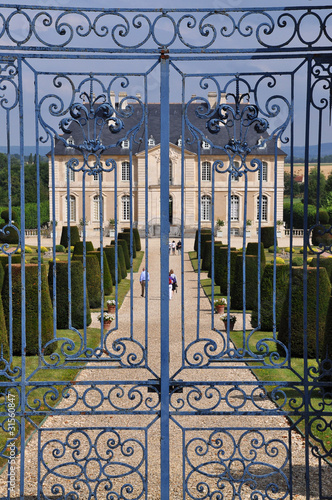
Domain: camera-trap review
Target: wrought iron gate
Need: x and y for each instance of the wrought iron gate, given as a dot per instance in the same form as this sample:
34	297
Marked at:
168	401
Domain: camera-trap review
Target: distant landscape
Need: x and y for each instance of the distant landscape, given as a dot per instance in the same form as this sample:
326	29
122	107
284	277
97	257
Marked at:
298	151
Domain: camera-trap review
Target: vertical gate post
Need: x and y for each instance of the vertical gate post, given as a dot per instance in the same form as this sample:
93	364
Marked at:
164	268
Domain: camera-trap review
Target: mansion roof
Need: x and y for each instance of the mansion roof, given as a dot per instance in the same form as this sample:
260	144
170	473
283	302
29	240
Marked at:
217	132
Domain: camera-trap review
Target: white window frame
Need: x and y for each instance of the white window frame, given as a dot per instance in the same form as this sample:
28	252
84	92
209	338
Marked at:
71	175
72	208
125	207
206	205
264	171
151	141
96	207
206	171
264	208
125	144
125	171
205	145
235	208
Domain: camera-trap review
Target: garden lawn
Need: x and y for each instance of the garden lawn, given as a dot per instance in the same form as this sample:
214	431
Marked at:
293	375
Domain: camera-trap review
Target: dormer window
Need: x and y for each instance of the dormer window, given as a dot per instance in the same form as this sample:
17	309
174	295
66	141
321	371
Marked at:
151	141
125	144
180	141
70	142
205	145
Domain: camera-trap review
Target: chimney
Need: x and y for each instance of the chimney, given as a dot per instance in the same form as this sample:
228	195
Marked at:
212	98
112	96
223	98
122	95
138	95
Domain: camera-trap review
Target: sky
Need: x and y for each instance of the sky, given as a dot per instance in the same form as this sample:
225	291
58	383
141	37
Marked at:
215	4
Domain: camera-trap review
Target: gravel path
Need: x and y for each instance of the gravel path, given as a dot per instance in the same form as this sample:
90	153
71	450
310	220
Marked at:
254	450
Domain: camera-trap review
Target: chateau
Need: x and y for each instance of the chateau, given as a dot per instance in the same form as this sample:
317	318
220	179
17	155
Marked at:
137	166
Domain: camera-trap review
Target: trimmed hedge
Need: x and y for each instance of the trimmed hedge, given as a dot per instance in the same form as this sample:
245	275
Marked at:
125	249
267	236
203	231
93	279
122	262
109	252
74	236
108	287
2	276
136	237
3	341
78	248
16	259
297	312
10	235
282	283
220	276
60	248
217	245
251	280
77	304
126	236
32	308
323	262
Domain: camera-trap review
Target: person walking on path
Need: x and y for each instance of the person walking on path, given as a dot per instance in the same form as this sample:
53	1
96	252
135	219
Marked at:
178	247
143	278
174	281
173	247
170	286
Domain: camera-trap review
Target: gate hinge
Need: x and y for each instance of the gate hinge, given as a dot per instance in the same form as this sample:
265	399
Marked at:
164	54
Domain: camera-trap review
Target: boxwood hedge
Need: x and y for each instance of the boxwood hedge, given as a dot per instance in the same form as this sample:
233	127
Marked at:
126	236
93	279
203	231
74	236
3	341
267	236
323	262
136	237
220	277
62	298
296	334
78	247
251	281
106	272
32	307
109	252
124	245
267	299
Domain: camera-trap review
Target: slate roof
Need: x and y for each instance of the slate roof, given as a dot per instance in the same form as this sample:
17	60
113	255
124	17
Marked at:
114	140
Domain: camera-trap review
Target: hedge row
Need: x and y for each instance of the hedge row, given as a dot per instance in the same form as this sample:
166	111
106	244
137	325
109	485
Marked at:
62	295
125	249
32	307
136	237
74	236
107	278
252	267
126	236
93	278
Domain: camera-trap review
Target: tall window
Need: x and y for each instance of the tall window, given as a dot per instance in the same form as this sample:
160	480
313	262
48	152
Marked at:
96	207
125	171
264	171
125	201
235	178
206	171
71	175
72	208
264	208
170	172
235	208
205	208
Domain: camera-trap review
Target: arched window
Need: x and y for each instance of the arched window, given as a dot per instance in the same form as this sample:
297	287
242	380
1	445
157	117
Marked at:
206	171
205	208
170	172
264	171
96	207
125	171
264	208
235	202
72	208
125	202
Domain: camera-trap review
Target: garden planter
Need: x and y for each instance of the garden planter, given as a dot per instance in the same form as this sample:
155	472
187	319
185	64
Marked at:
111	309
231	325
220	309
107	325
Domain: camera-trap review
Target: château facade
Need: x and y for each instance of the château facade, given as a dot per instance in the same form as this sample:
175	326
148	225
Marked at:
136	176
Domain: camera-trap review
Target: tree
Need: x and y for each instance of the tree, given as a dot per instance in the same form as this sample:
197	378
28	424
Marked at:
312	188
288	184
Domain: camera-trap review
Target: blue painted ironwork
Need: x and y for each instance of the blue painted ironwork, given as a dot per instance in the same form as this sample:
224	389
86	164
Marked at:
209	407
